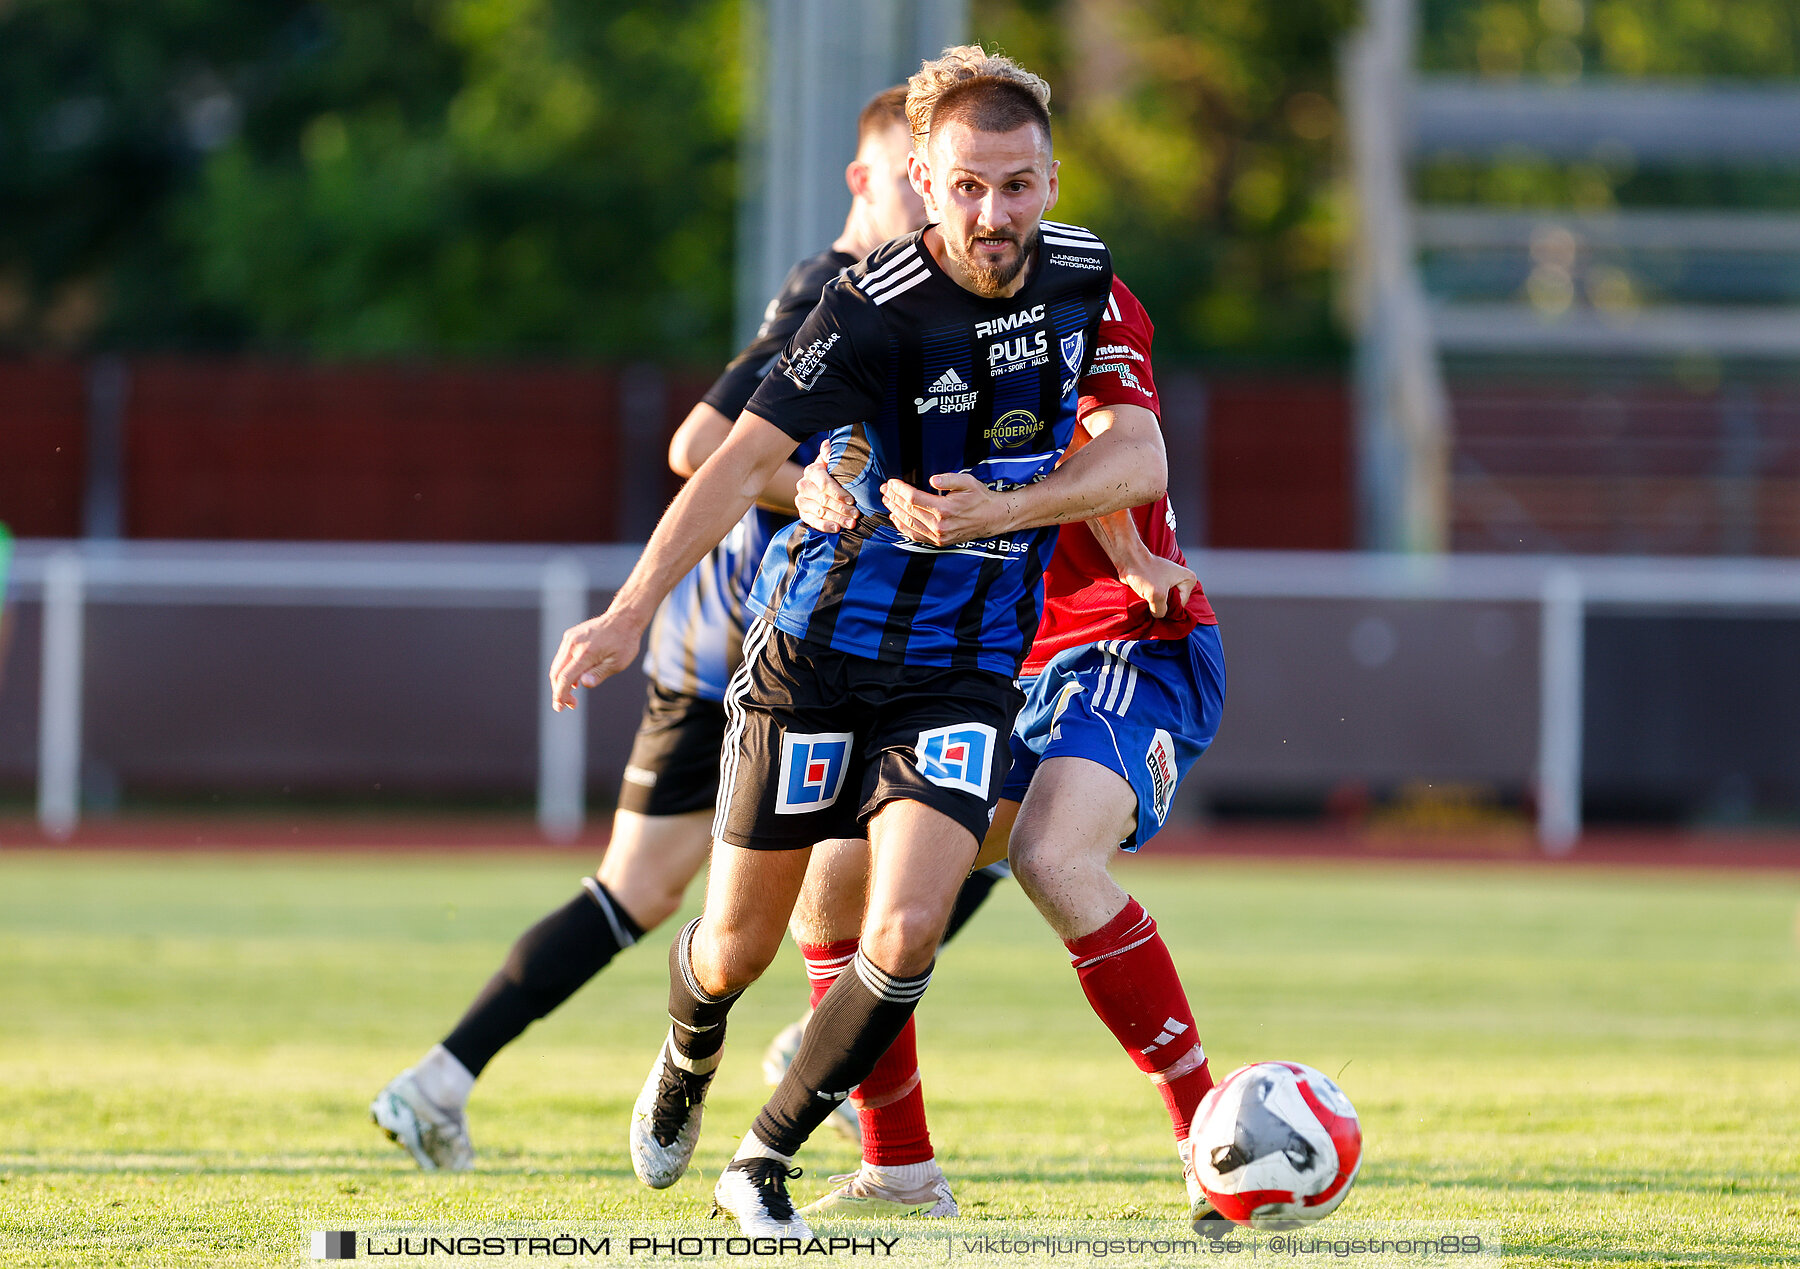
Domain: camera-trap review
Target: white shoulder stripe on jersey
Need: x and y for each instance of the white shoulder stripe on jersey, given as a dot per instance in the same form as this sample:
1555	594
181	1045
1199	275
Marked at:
1073	231
907	257
915	268
921	276
1112	309
1074	244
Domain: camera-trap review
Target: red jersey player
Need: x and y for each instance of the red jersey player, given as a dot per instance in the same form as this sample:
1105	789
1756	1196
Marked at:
1125	685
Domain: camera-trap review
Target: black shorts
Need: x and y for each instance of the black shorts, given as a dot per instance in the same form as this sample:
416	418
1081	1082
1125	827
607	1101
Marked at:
818	741
674	763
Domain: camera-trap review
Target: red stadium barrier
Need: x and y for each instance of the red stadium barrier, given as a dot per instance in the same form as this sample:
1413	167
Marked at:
259	450
394	453
43	448
1278	464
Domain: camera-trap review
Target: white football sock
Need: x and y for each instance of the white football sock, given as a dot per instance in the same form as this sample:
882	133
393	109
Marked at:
904	1176
442	1078
752	1148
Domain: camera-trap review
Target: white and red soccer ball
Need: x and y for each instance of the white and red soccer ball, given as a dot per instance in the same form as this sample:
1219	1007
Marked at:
1276	1145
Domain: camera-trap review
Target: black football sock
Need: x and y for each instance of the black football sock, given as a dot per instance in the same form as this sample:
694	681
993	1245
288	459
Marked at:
699	1019
973	894
546	966
850	1029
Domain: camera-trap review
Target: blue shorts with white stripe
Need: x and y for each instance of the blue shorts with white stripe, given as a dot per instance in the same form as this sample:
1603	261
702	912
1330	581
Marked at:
1145	708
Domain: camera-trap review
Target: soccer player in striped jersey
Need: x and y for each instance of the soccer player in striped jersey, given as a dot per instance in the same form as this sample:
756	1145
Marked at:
877	683
1125	685
660	831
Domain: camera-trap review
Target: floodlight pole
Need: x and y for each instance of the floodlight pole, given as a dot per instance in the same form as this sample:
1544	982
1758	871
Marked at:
562	736
1561	654
1402	409
811	64
59	695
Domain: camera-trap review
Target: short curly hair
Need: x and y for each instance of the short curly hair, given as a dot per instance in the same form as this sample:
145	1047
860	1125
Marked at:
985	90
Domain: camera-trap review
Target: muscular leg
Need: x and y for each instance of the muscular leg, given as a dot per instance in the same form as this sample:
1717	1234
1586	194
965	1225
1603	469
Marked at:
1067	831
651	859
887	1109
749	894
1069	827
831	902
919	857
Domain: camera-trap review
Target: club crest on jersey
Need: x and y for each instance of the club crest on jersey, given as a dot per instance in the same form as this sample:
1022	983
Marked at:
812	771
1071	351
1012	429
959	757
1161	762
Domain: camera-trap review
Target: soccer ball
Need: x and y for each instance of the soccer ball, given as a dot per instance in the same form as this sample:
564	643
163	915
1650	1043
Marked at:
1276	1145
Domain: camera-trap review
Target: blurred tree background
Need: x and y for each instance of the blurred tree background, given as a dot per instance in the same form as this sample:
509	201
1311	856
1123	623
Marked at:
545	178
1203	143
369	177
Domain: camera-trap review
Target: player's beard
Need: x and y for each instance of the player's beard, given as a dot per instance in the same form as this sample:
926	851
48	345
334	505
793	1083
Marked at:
989	277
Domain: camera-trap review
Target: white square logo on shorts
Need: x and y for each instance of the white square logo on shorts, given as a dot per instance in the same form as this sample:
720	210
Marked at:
812	771
959	757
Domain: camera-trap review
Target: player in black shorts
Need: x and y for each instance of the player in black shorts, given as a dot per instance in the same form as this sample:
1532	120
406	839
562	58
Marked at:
660	832
877	682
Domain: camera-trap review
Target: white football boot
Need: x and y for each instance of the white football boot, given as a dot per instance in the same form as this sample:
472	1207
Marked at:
914	1189
780	1055
753	1192
1206	1218
436	1136
665	1122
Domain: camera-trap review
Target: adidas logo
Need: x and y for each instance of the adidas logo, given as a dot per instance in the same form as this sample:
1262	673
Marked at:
1170	1029
951	393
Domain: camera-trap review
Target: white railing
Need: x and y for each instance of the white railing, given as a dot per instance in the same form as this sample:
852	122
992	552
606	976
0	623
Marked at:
69	576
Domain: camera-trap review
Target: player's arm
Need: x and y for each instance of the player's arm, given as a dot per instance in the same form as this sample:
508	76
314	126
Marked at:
1147	573
702	432
709	422
822	378
1121	374
1123	466
703	513
824	504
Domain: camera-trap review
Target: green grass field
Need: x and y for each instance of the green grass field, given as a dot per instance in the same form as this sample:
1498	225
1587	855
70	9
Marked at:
1606	1064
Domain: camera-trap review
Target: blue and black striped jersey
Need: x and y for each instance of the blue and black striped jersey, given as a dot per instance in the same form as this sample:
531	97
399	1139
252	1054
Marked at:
912	376
696	639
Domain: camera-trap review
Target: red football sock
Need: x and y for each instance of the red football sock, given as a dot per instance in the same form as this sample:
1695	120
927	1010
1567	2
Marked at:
891	1106
890	1103
824	962
1130	980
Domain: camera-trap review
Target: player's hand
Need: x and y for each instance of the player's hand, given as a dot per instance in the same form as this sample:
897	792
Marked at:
1156	580
962	510
823	504
590	654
